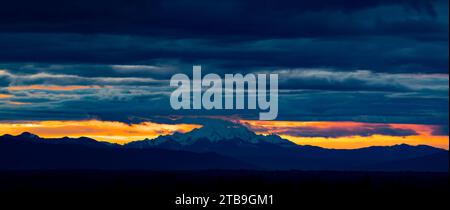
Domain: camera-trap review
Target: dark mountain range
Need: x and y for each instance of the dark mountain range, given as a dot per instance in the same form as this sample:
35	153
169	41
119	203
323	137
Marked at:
85	141
217	145
273	152
20	152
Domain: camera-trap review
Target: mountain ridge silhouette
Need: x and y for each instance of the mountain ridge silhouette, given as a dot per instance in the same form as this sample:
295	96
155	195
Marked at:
242	147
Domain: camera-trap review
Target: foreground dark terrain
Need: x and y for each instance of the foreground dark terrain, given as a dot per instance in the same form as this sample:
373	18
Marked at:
295	189
218	159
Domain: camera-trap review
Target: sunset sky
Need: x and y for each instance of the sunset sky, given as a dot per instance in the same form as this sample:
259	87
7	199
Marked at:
336	135
352	135
351	74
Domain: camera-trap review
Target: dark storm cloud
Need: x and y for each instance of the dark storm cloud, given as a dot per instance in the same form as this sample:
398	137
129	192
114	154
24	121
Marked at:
361	80
388	54
370	61
364	107
4	80
291	80
377	35
12	78
335	132
441	130
247	18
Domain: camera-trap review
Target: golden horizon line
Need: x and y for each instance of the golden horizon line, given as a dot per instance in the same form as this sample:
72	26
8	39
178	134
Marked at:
3	96
171	134
121	133
77	137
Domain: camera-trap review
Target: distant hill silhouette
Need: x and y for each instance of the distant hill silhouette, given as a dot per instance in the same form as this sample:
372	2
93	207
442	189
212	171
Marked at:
36	153
85	141
218	145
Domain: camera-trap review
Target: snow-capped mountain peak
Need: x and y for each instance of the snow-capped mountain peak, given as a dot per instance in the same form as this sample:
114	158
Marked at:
215	132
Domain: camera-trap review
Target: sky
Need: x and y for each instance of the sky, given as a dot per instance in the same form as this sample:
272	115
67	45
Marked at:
374	71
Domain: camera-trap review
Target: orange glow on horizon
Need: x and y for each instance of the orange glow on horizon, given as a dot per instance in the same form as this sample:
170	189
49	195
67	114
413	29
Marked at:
424	134
18	103
53	87
5	95
114	132
118	132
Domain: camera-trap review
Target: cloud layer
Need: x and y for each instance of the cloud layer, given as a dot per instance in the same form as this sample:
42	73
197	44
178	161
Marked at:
368	61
